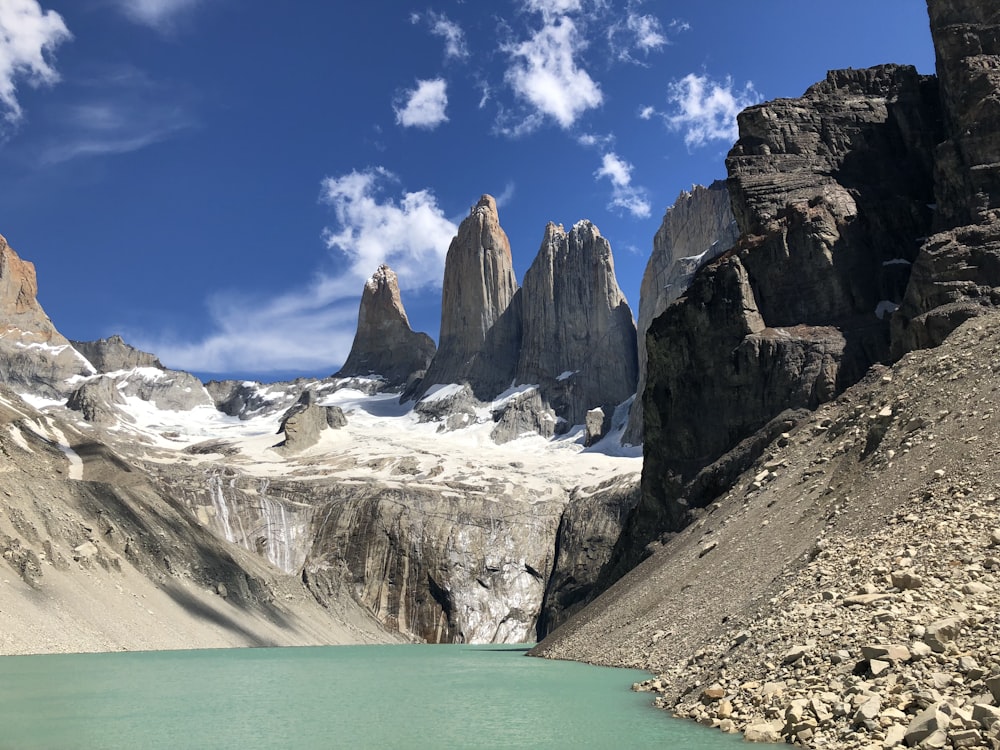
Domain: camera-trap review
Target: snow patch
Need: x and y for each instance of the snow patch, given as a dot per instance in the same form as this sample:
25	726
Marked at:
440	392
567	375
15	433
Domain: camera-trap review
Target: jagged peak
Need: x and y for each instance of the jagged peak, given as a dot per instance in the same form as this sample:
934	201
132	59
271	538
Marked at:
487	204
383	277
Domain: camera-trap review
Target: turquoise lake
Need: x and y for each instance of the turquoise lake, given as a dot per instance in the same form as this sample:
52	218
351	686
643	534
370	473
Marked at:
334	697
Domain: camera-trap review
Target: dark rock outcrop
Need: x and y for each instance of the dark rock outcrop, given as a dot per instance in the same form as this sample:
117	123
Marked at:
113	354
477	343
695	230
96	400
384	344
578	339
831	194
957	273
524	413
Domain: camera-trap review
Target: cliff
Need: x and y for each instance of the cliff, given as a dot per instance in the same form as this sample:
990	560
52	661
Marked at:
384	344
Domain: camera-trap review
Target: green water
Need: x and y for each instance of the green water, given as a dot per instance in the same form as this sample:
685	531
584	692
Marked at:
338	697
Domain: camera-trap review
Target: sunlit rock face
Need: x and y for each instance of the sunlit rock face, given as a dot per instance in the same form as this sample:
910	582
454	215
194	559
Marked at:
478	339
578	337
384	345
34	356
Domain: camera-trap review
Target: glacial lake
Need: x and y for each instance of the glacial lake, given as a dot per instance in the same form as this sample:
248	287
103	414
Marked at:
334	697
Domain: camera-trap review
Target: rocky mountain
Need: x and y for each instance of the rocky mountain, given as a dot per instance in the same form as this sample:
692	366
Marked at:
578	338
113	354
819	520
384	344
33	354
831	194
697	229
476	328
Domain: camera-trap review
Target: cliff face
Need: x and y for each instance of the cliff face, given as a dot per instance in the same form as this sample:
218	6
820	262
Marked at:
578	341
698	228
384	343
33	354
479	284
956	275
831	194
113	354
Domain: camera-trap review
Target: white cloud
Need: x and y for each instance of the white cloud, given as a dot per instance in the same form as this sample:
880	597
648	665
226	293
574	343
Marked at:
647	32
411	235
545	74
454	38
28	36
706	110
157	14
311	328
624	194
506	196
551	8
114	113
646	113
424	106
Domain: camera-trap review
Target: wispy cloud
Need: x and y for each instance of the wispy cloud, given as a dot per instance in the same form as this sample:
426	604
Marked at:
455	46
551	8
544	72
705	110
506	196
157	14
424	106
311	327
624	194
28	38
117	112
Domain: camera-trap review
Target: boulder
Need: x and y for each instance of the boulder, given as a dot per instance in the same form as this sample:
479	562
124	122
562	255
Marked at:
96	400
302	423
524	413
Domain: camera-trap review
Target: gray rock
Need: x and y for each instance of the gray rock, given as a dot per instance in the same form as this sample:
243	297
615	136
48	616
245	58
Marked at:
96	400
479	286
521	414
926	723
113	354
697	229
942	632
384	344
578	339
302	423
596	426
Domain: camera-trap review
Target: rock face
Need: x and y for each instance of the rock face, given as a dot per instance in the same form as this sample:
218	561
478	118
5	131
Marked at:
578	339
477	343
957	273
831	194
384	344
113	354
697	229
33	354
302	424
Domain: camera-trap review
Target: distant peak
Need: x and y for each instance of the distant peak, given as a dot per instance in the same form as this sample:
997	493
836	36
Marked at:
487	202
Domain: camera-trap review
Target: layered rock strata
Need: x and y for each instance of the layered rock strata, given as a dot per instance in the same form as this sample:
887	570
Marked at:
831	193
384	344
697	229
957	273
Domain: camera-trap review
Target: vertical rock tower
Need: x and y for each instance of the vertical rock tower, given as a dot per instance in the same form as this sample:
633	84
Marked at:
476	316
384	343
578	339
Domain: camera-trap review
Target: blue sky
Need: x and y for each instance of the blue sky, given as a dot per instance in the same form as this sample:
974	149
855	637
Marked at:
215	179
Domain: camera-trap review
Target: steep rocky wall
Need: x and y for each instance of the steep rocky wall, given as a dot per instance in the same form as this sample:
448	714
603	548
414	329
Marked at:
479	284
578	339
384	344
831	193
697	229
460	566
957	273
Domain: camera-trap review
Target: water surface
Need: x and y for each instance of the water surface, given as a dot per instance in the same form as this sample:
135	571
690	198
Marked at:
336	697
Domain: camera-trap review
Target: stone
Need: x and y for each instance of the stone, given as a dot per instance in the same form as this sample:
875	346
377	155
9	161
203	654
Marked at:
523	414
384	344
893	653
993	685
942	632
975	588
763	732
84	551
924	724
479	333
868	711
906	580
695	230
594	426
578	338
302	423
113	354
985	715
894	736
